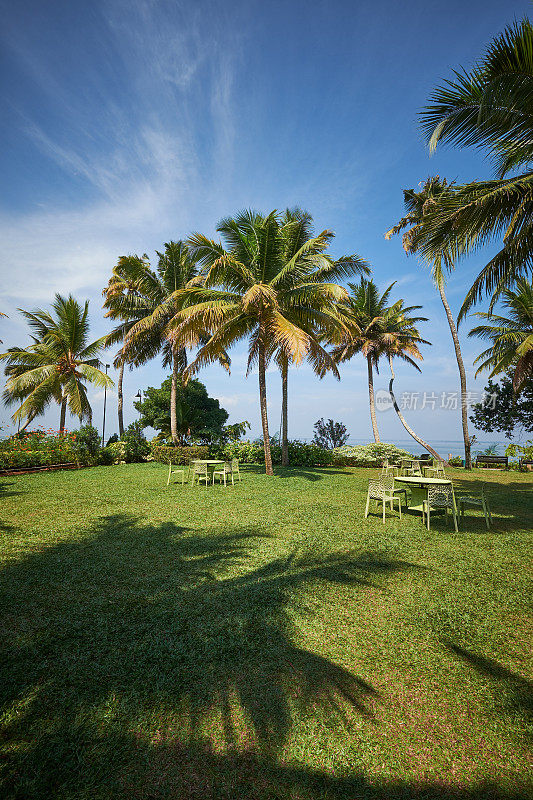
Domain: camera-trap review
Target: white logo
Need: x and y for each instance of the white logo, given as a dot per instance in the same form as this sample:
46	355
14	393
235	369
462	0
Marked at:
383	400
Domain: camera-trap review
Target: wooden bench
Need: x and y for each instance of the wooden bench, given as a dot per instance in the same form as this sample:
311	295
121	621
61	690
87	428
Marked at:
493	461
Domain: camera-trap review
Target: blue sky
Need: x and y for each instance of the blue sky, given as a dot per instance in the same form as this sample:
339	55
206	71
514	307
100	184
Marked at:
127	124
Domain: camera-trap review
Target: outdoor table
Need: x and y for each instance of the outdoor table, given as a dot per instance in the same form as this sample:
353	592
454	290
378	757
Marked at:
212	464
418	488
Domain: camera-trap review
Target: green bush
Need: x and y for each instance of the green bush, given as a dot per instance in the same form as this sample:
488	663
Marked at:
41	449
455	461
368	454
118	452
301	454
165	453
135	443
106	455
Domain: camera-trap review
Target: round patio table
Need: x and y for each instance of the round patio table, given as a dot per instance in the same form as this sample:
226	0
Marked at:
418	488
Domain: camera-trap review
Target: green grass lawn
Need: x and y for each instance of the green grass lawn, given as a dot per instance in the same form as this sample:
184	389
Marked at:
260	641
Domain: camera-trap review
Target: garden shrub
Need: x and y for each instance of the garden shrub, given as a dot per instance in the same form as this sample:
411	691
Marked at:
118	452
165	453
301	454
368	455
41	449
455	461
87	443
135	443
106	455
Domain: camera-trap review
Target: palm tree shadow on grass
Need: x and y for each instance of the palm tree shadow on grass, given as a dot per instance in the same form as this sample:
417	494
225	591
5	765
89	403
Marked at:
515	693
156	662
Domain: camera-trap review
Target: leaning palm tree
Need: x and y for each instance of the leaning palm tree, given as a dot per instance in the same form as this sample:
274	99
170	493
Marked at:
56	366
124	301
252	291
420	204
489	107
401	339
296	230
511	336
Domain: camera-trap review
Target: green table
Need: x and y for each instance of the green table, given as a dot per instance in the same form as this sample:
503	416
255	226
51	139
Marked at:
212	464
418	488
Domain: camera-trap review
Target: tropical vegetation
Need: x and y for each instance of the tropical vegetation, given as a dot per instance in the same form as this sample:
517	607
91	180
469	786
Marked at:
252	290
418	205
198	416
57	366
488	107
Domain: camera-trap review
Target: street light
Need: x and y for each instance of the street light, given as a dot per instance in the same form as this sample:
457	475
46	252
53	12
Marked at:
139	396
105	400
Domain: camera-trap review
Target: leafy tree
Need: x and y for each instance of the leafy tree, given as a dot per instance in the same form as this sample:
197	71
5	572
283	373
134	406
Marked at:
503	411
88	440
251	291
112	439
511	336
419	205
330	434
197	415
57	365
488	107
135	443
234	432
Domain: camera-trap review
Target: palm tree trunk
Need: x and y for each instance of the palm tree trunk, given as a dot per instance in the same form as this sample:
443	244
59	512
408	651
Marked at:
409	430
173	401
462	375
284	414
371	398
63	414
120	401
263	405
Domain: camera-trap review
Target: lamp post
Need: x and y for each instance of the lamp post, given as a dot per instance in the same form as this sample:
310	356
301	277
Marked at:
105	401
139	397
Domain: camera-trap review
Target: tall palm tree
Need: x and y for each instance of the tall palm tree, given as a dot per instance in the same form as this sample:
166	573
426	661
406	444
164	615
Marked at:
511	336
57	365
401	339
489	107
296	230
363	312
251	291
125	302
420	204
159	295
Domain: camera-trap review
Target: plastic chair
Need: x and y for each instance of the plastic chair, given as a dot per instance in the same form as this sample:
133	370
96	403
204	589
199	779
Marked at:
200	473
440	497
437	471
391	470
226	470
382	490
235	468
479	501
183	471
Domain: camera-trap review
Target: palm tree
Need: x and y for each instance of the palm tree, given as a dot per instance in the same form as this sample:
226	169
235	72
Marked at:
57	365
420	204
296	230
489	107
158	296
511	336
125	302
252	291
401	339
363	312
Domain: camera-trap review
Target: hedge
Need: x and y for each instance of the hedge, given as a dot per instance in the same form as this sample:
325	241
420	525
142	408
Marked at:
178	455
